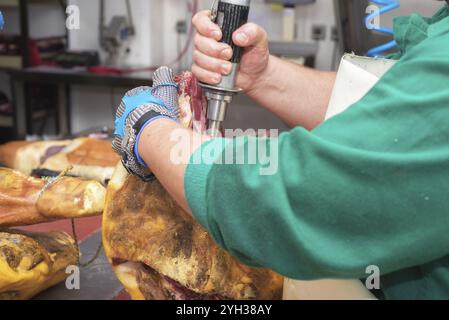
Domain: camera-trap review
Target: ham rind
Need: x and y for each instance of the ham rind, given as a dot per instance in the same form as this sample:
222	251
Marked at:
26	201
158	251
32	262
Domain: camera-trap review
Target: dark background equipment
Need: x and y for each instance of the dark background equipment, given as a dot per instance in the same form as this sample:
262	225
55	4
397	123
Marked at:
353	34
115	35
71	59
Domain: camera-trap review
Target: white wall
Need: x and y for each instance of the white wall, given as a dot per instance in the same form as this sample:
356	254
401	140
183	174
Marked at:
320	13
424	7
92	106
45	19
87	38
155	44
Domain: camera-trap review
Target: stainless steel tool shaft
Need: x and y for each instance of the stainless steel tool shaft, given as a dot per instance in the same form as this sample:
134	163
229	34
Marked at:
229	16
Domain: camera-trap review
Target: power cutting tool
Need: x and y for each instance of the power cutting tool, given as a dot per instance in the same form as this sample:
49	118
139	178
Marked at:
229	15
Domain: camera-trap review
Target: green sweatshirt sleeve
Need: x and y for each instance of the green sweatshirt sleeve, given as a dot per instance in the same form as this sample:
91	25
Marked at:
368	187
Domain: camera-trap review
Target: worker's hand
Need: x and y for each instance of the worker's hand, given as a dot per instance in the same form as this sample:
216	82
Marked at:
138	109
211	57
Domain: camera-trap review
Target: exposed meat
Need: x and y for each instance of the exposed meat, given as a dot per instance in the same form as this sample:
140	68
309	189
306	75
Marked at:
192	103
144	282
182	293
155	286
51	151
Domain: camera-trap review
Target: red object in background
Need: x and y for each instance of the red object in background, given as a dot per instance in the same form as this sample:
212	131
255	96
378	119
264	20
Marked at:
106	70
34	55
43	51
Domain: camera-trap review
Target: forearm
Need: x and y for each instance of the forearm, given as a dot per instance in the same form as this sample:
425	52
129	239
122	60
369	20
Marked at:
167	147
297	95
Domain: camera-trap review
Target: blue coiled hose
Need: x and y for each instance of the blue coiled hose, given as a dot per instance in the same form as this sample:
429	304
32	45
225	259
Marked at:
388	5
2	21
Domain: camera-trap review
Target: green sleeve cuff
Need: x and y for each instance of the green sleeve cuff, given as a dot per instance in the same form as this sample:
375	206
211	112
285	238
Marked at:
195	180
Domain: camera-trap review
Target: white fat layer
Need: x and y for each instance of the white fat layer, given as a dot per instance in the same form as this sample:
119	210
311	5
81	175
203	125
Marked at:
119	177
94	198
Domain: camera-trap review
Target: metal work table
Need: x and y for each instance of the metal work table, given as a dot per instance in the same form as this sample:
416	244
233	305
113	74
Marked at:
63	79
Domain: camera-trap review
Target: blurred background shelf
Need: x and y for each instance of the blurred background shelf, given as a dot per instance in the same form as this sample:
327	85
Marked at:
11	62
34	33
6	121
16	3
9	3
75	98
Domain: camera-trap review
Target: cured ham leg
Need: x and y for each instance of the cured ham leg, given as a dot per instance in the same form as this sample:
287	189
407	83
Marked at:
32	262
89	158
25	200
158	251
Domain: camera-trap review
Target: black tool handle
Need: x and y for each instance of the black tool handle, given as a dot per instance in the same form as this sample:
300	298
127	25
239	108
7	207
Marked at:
231	15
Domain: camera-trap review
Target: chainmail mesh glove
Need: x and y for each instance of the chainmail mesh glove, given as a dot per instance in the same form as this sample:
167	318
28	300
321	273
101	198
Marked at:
139	108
